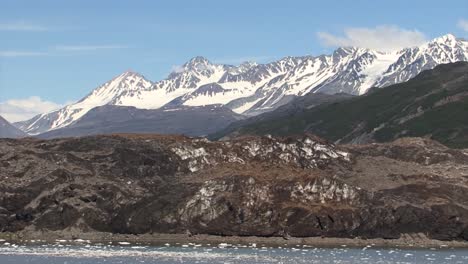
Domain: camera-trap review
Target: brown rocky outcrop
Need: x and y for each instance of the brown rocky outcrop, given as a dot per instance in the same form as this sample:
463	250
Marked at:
260	186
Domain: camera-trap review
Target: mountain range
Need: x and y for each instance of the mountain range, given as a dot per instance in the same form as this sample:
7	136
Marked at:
434	104
251	89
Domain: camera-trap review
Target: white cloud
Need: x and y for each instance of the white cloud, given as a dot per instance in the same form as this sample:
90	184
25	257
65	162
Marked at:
384	38
463	24
15	53
87	47
177	69
21	26
15	110
57	49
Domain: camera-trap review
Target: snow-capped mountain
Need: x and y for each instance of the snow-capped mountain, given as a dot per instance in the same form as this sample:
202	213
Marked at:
252	88
412	61
124	85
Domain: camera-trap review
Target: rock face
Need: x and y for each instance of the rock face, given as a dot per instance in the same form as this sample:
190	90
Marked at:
258	186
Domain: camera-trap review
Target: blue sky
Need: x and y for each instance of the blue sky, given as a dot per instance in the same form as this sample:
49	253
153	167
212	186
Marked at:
58	51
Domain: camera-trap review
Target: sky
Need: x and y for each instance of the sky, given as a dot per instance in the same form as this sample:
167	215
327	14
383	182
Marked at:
54	52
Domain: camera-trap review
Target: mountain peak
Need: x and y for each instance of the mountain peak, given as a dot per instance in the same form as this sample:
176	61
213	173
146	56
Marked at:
197	60
130	73
198	65
445	39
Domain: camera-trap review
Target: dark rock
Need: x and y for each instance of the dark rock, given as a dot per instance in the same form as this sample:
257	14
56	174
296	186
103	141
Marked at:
23	216
260	186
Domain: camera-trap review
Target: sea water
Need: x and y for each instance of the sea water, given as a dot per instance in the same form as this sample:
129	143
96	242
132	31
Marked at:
223	253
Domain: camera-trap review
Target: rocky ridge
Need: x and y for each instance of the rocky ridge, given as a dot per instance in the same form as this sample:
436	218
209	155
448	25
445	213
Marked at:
251	186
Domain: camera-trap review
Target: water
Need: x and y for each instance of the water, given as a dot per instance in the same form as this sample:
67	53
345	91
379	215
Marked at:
191	253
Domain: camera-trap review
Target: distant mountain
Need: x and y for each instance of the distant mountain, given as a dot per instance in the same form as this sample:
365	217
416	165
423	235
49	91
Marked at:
109	119
107	94
7	130
434	104
251	88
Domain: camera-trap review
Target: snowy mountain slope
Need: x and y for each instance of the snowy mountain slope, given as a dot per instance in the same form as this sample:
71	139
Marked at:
445	49
350	70
252	88
125	84
430	105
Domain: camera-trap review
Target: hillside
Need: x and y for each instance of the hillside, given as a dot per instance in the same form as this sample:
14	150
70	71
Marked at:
434	104
295	106
109	119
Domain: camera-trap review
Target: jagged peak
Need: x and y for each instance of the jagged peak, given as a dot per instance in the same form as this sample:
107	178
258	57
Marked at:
197	64
447	39
241	68
197	60
288	60
345	51
128	80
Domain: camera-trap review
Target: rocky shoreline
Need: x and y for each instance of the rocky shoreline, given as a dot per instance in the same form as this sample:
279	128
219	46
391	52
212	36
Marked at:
413	241
247	189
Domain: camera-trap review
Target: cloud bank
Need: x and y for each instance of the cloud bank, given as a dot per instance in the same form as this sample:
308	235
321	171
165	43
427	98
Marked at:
17	53
59	50
383	38
87	47
21	26
15	110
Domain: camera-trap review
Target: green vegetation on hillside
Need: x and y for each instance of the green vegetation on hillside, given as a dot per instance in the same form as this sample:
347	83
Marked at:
433	104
